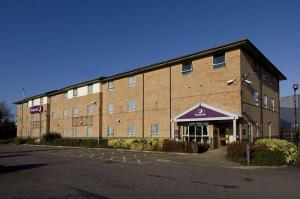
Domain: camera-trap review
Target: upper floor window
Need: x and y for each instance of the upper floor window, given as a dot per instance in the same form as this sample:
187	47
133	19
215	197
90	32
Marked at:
264	76
111	108
131	130
53	115
255	67
53	99
131	105
90	109
75	112
111	85
75	92
65	95
219	61
65	114
187	68
273	104
90	89
131	81
154	130
255	98
110	131
265	100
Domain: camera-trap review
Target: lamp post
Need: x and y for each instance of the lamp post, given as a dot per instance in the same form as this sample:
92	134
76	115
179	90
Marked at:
295	87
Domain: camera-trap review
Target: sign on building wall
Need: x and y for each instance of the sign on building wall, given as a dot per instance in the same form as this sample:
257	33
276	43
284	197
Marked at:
36	109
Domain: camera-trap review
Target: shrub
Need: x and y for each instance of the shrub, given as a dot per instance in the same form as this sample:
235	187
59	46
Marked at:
185	147
276	152
203	147
237	152
49	136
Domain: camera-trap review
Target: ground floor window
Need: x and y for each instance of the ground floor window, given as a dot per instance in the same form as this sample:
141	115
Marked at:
131	130
89	131
74	132
110	131
154	130
65	132
196	131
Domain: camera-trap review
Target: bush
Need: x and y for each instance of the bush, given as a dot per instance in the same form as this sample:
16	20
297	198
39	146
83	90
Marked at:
185	147
49	136
265	152
237	152
274	152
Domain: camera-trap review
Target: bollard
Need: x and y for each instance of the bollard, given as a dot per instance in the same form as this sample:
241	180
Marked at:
248	154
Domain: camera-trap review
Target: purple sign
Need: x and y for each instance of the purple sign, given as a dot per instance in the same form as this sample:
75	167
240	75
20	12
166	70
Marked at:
36	109
202	112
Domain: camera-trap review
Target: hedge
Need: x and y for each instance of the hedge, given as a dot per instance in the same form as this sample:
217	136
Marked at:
264	152
153	144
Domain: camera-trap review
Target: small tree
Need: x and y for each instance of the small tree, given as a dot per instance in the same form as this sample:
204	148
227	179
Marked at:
7	124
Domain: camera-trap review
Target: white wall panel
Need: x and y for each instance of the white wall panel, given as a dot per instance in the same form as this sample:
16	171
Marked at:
82	91
37	102
70	94
45	100
29	104
96	88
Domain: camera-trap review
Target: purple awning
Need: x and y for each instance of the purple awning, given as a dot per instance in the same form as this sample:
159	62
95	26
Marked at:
202	112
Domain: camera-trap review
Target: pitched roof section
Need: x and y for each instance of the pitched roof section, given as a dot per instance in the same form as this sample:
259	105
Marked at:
204	112
243	44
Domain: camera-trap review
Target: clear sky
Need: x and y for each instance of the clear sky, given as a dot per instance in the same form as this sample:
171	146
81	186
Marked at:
49	44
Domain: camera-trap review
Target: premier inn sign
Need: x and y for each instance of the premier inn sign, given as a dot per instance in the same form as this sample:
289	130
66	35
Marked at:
36	109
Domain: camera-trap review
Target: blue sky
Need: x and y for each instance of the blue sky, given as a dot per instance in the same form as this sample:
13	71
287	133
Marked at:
45	45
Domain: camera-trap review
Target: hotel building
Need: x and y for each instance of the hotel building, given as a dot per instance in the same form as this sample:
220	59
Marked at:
218	95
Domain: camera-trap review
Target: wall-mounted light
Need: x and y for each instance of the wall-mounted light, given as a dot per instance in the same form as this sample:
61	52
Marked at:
231	81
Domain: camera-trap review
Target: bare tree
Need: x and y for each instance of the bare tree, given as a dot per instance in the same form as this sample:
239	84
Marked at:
7	125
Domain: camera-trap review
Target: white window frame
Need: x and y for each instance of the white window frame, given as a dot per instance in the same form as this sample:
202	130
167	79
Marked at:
74	132
65	114
90	109
110	108
217	66
131	130
90	134
75	92
90	89
156	127
255	98
65	132
73	112
131	105
65	95
111	85
265	101
110	131
131	81
273	104
53	115
189	71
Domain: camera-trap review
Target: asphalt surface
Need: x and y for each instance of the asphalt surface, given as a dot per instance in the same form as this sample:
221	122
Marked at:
56	172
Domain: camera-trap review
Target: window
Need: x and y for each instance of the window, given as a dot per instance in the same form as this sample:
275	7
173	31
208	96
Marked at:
75	112
255	98
90	109
186	68
255	67
89	131
53	115
131	81
273	104
111	108
131	105
90	89
75	92
74	132
111	85
131	130
265	101
264	76
65	95
65	114
154	130
110	131
65	132
219	61
257	130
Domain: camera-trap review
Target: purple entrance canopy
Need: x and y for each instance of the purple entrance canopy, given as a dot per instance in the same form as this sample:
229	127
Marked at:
204	112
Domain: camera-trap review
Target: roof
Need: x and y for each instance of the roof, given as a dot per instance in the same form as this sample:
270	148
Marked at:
244	44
